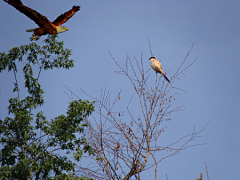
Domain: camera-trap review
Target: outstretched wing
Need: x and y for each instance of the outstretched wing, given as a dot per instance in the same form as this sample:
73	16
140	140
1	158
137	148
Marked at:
39	19
67	15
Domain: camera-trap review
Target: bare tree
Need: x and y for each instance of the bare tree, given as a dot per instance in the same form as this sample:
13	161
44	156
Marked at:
128	144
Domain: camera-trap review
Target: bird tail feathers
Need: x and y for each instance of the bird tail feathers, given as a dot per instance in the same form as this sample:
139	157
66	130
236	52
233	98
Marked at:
30	30
166	77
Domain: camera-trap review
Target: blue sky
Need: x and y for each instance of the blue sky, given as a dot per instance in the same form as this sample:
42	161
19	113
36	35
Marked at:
212	84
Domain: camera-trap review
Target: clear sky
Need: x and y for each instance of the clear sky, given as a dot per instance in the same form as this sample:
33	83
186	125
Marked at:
212	84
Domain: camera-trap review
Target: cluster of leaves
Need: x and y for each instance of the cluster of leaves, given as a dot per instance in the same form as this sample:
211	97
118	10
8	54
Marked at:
30	144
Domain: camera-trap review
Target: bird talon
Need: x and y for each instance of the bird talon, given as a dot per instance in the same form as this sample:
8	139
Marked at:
33	38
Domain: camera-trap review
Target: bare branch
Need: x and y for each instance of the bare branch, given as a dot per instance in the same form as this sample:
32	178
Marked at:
124	141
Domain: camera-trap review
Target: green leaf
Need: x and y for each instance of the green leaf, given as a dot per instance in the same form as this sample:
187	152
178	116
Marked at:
30	144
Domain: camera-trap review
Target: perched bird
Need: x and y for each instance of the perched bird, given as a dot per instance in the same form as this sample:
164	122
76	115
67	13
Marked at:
45	26
156	65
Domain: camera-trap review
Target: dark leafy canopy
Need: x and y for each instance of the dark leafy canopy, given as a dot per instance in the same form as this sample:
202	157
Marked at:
30	145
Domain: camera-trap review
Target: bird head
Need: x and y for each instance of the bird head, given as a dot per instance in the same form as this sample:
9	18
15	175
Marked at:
61	29
153	57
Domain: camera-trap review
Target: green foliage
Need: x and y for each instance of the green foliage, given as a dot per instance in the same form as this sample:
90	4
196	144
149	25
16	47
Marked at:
30	144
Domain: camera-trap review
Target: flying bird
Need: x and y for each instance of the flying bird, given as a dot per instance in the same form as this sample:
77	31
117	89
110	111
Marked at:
45	26
156	65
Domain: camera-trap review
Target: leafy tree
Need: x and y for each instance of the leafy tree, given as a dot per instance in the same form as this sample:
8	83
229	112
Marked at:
30	144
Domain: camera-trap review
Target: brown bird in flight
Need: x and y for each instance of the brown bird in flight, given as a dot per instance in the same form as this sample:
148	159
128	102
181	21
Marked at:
45	26
156	65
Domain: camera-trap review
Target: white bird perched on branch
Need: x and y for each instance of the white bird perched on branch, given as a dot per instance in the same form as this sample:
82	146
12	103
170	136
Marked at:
156	65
